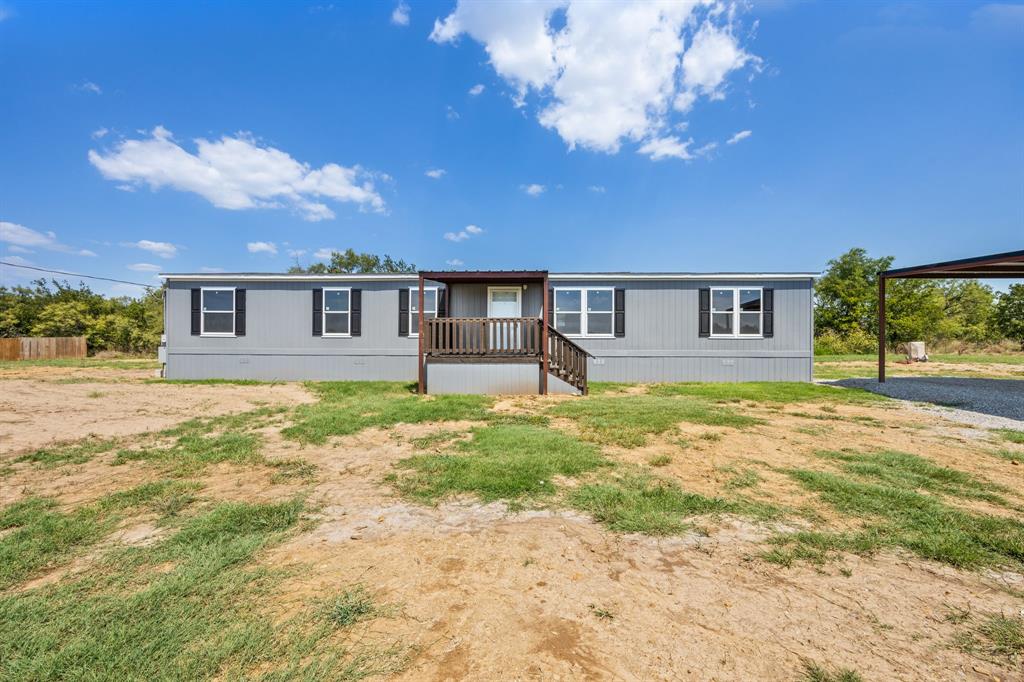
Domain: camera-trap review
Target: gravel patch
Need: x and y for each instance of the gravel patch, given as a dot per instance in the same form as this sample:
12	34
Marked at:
987	403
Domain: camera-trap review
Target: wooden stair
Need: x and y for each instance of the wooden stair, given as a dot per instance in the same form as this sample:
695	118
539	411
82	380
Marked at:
566	360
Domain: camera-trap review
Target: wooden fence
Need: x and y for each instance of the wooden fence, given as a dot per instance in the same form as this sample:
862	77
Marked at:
42	348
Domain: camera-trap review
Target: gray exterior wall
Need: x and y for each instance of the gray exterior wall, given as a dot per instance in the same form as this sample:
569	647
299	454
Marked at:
660	344
487	378
661	341
279	341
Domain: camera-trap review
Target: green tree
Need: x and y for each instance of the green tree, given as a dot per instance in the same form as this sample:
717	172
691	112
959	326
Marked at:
348	261
970	306
62	318
1009	314
915	310
846	296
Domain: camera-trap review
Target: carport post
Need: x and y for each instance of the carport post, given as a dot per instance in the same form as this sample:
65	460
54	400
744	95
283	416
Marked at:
881	328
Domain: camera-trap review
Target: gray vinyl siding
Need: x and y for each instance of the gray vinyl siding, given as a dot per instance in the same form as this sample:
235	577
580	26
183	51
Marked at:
661	341
279	341
660	344
484	378
470	300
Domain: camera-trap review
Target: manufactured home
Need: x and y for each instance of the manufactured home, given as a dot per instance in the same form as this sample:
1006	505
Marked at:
491	331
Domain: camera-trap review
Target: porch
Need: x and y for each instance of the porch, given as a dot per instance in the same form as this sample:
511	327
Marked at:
499	339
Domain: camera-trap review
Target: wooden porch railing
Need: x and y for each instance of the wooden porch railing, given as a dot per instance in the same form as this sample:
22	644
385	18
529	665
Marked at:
566	360
483	336
472	338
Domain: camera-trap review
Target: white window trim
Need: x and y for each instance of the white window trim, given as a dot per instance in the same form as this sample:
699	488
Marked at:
736	314
415	291
324	313
584	333
203	311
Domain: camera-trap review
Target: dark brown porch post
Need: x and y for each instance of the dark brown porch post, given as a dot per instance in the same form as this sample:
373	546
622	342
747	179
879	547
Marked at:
544	340
422	332
881	329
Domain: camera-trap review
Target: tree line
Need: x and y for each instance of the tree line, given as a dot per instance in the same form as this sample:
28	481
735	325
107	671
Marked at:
930	310
846	308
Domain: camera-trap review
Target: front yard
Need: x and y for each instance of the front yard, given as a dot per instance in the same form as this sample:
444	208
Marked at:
346	530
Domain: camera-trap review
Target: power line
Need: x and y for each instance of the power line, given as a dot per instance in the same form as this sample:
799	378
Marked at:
75	274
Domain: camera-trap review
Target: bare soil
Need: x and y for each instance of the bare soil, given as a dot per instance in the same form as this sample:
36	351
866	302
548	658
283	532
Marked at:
484	593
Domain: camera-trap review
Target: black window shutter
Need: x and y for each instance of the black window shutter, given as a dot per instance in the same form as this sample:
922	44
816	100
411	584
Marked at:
239	312
442	302
704	313
551	307
318	312
620	312
356	325
197	311
403	312
768	308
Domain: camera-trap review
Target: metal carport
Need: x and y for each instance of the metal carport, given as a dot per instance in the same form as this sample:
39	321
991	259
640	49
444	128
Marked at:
1008	265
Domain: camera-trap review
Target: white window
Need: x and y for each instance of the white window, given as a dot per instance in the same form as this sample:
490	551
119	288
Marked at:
429	307
218	306
337	312
585	312
736	312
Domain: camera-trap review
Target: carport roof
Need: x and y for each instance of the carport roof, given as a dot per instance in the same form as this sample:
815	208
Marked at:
1008	265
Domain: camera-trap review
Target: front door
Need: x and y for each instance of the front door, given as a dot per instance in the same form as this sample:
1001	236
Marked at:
504	302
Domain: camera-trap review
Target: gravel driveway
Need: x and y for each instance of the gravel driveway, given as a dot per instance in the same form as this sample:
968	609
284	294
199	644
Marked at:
1000	399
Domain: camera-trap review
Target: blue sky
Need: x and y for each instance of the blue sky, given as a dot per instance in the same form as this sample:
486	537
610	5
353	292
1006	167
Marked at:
571	136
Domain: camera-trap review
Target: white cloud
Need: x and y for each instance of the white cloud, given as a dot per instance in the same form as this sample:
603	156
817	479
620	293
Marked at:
477	89
534	190
89	87
98	133
162	249
144	267
238	173
667	148
296	253
451	114
713	55
262	247
999	19
23	238
435	173
17	260
400	15
5	12
324	253
597	189
739	137
14	248
612	72
454	262
463	234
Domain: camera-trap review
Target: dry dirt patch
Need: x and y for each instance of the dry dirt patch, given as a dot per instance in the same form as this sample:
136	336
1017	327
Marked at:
35	413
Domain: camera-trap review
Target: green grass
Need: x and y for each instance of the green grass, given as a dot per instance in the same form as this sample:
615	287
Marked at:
347	407
499	462
748	478
435	440
767	392
813	672
350	607
635	503
77	452
1011	435
213	382
201	442
994	637
1010	455
628	420
206	617
911	472
85	363
895	514
660	460
43	537
602	387
954	358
